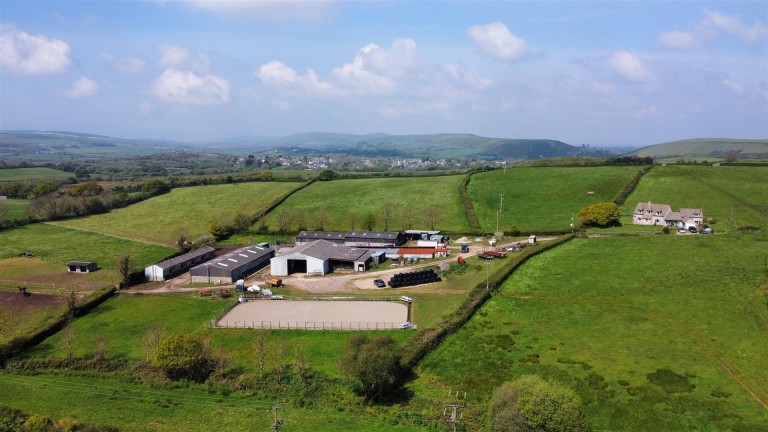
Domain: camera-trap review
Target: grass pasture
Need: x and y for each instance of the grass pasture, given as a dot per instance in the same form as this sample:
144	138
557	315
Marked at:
13	208
125	318
720	191
654	333
543	198
360	197
32	174
192	209
53	246
19	315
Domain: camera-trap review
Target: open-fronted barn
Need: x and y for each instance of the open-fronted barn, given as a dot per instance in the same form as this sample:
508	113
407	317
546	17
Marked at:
232	266
177	265
373	239
81	266
320	257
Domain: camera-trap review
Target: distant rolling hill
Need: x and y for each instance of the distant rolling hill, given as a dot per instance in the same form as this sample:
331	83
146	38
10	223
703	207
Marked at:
712	148
40	146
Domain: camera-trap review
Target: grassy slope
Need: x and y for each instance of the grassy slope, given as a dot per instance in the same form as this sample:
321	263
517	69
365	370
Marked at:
23	174
54	246
543	198
363	196
716	190
193	209
703	147
627	307
14	208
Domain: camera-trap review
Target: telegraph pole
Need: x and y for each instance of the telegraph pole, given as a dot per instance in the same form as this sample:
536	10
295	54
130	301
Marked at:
455	415
501	202
278	422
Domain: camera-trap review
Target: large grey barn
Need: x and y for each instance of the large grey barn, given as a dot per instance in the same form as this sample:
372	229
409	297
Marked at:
232	266
176	265
353	238
320	257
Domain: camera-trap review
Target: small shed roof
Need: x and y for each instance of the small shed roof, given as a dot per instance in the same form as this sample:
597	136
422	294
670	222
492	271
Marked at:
81	263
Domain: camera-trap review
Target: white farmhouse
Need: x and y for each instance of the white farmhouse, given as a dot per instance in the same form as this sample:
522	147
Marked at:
662	214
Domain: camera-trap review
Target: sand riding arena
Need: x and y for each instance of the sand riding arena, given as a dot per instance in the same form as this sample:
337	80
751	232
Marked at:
317	315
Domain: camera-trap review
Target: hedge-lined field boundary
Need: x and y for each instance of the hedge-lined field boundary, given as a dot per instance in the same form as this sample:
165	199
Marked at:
630	187
22	343
421	344
469	208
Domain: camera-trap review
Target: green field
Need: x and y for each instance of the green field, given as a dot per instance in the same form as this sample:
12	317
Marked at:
13	208
603	315
192	209
543	198
361	197
27	174
721	192
53	246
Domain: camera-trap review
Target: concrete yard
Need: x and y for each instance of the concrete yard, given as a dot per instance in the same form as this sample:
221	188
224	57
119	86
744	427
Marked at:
317	315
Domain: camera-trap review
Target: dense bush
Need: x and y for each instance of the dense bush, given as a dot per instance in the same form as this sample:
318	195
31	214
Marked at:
374	364
183	356
600	214
532	404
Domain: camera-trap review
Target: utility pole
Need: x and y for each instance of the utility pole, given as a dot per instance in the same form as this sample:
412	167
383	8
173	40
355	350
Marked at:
455	407
278	422
501	202
571	222
487	266
497	222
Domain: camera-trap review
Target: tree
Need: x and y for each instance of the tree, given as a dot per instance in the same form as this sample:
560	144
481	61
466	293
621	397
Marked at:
155	187
101	347
181	240
532	404
151	339
320	218
183	356
261	349
326	175
374	364
220	231
369	221
125	264
68	339
600	214
241	223
386	213
434	215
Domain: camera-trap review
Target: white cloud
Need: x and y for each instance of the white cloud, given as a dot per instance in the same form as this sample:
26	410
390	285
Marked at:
629	66
125	65
173	56
274	10
374	70
495	40
460	77
24	54
83	88
711	26
187	88
734	26
679	39
734	86
279	75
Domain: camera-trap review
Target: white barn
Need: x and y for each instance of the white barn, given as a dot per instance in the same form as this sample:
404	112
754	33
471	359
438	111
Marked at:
177	265
320	257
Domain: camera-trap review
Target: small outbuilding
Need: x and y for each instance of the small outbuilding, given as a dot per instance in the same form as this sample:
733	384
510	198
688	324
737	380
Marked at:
81	266
532	239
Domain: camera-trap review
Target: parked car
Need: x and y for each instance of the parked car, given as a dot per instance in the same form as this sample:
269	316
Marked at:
693	229
707	231
406	325
379	283
681	230
406	299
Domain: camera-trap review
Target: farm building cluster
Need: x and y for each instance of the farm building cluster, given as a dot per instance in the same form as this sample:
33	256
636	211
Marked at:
662	214
315	253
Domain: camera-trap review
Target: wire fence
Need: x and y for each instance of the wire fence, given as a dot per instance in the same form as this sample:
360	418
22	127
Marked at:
310	325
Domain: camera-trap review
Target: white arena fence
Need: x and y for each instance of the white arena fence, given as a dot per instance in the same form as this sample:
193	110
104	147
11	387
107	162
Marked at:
291	325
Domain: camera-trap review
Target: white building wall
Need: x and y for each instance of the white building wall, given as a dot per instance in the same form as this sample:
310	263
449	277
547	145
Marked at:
279	266
154	273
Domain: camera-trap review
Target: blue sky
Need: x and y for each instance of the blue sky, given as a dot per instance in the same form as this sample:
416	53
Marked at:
597	72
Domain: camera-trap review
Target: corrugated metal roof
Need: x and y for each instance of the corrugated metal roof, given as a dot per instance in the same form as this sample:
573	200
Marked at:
325	250
237	258
185	257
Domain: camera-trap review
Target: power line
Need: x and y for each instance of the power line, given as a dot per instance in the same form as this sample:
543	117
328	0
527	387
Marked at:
456	407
